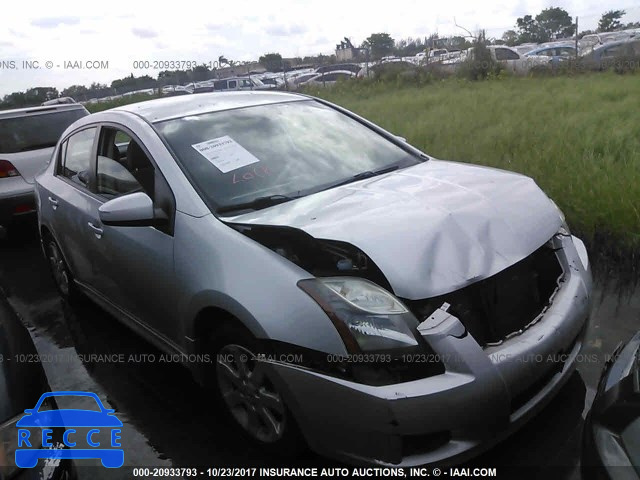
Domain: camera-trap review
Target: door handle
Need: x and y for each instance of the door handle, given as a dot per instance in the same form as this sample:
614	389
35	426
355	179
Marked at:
96	230
53	202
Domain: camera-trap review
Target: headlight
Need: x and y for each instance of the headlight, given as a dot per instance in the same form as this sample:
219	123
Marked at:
367	317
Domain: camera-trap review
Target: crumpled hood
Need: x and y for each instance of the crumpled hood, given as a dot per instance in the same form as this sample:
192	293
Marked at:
432	228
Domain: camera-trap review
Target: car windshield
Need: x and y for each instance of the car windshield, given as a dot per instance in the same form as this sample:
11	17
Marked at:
35	131
288	149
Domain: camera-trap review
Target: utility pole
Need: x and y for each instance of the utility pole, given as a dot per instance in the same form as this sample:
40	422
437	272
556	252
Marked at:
576	39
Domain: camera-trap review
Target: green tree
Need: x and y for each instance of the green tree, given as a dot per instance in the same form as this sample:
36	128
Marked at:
610	21
510	37
14	100
549	24
381	45
527	29
200	73
271	61
77	92
554	23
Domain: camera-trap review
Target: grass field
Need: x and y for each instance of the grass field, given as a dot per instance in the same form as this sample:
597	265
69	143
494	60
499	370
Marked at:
578	137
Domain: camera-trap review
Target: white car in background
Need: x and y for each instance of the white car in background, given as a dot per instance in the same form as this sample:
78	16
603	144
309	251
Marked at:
508	57
515	62
328	78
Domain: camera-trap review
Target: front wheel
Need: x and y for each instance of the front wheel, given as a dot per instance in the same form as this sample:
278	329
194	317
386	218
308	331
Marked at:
248	395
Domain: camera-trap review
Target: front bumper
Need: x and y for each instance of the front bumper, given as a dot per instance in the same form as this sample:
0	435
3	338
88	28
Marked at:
483	396
16	198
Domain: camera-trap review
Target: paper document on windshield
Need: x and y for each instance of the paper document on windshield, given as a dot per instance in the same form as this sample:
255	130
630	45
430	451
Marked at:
225	153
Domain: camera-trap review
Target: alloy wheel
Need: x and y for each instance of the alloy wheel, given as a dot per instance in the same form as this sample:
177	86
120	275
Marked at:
249	395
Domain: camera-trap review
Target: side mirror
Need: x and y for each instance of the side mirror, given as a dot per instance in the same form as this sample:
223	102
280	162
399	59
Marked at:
402	139
133	210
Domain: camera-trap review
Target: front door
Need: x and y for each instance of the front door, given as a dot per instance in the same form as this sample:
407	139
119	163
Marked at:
135	263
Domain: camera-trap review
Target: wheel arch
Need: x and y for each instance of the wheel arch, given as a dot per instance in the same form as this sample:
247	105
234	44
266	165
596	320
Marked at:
212	312
46	231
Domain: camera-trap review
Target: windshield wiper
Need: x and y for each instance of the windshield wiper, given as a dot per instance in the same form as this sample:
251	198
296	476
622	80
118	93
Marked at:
257	203
367	174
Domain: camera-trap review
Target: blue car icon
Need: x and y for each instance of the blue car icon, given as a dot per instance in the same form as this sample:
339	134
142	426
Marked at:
97	422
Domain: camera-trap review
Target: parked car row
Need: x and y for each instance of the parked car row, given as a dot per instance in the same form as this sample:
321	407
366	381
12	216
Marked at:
596	51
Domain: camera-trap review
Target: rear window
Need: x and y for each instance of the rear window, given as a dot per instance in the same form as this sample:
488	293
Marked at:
33	132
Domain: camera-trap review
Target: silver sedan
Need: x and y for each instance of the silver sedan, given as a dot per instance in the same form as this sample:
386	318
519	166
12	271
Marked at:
27	138
330	281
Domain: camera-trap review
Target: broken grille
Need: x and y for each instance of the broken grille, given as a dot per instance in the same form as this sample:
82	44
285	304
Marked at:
504	304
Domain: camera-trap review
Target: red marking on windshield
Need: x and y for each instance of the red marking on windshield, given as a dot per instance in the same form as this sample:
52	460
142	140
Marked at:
255	172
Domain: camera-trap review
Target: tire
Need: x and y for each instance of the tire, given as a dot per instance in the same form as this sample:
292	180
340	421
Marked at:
253	404
60	272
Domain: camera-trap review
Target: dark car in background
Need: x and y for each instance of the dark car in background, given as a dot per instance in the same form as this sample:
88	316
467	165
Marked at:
611	438
618	54
27	139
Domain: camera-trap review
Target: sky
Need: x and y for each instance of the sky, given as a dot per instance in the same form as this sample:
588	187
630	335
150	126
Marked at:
122	32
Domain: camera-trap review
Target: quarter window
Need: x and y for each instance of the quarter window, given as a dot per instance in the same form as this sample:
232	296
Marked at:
77	156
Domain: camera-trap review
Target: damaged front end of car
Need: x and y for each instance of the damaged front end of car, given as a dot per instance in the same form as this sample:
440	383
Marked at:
415	366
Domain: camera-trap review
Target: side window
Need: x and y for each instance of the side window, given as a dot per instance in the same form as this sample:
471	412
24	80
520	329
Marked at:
232	84
123	166
566	52
332	77
247	84
76	162
220	85
506	54
613	51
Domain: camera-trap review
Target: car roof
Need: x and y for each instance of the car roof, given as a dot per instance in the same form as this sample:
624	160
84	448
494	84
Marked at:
17	112
547	47
615	43
554	45
348	72
162	109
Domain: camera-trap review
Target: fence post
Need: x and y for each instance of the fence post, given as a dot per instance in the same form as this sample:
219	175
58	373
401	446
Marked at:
576	40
